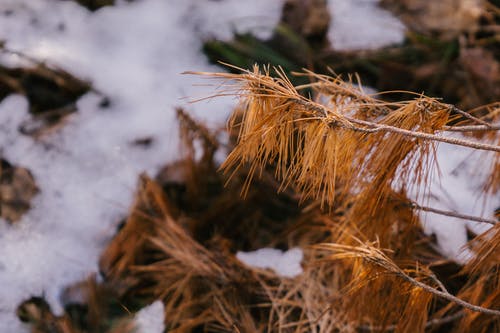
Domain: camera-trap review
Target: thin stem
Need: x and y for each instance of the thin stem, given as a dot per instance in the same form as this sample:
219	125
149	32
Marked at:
453	214
374	127
430	323
468	115
439	283
421	135
471	128
445	295
376	257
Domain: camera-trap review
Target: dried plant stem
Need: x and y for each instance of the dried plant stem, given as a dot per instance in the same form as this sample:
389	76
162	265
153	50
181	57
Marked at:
447	296
469	116
453	214
43	64
4	49
376	256
420	135
374	128
430	323
438	282
471	128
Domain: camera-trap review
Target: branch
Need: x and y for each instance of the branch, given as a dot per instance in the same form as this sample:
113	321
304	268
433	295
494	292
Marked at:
471	128
377	257
445	295
453	214
430	323
374	127
348	122
421	135
468	116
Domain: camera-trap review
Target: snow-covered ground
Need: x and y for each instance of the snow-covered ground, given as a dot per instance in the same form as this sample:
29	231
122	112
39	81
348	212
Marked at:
87	171
133	53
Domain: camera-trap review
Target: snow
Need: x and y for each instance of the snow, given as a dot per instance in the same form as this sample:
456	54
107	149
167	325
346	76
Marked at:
257	16
286	263
361	24
87	170
150	318
458	188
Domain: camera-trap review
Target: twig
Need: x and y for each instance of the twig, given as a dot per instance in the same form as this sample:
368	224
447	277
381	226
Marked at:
445	295
468	115
471	128
51	67
430	323
421	135
21	55
374	128
452	214
376	256
438	282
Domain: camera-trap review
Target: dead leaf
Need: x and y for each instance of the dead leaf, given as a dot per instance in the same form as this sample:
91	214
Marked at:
17	188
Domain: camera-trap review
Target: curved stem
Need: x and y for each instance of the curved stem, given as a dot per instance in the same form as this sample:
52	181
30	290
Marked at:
421	135
370	127
447	296
430	323
471	128
453	214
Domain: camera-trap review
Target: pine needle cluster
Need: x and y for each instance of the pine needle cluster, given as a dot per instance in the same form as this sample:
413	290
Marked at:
357	156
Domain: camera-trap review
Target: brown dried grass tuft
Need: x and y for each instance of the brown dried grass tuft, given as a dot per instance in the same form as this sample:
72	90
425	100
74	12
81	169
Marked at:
201	287
175	258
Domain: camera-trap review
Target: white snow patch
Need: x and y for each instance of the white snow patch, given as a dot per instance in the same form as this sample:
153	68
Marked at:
150	318
458	189
87	171
362	24
221	18
283	263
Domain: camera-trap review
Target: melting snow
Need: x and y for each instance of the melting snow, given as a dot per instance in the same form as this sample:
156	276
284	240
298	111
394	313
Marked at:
458	188
87	171
150	318
283	263
361	24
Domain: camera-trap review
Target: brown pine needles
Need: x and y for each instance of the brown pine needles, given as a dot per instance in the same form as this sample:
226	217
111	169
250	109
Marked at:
349	151
329	174
352	143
